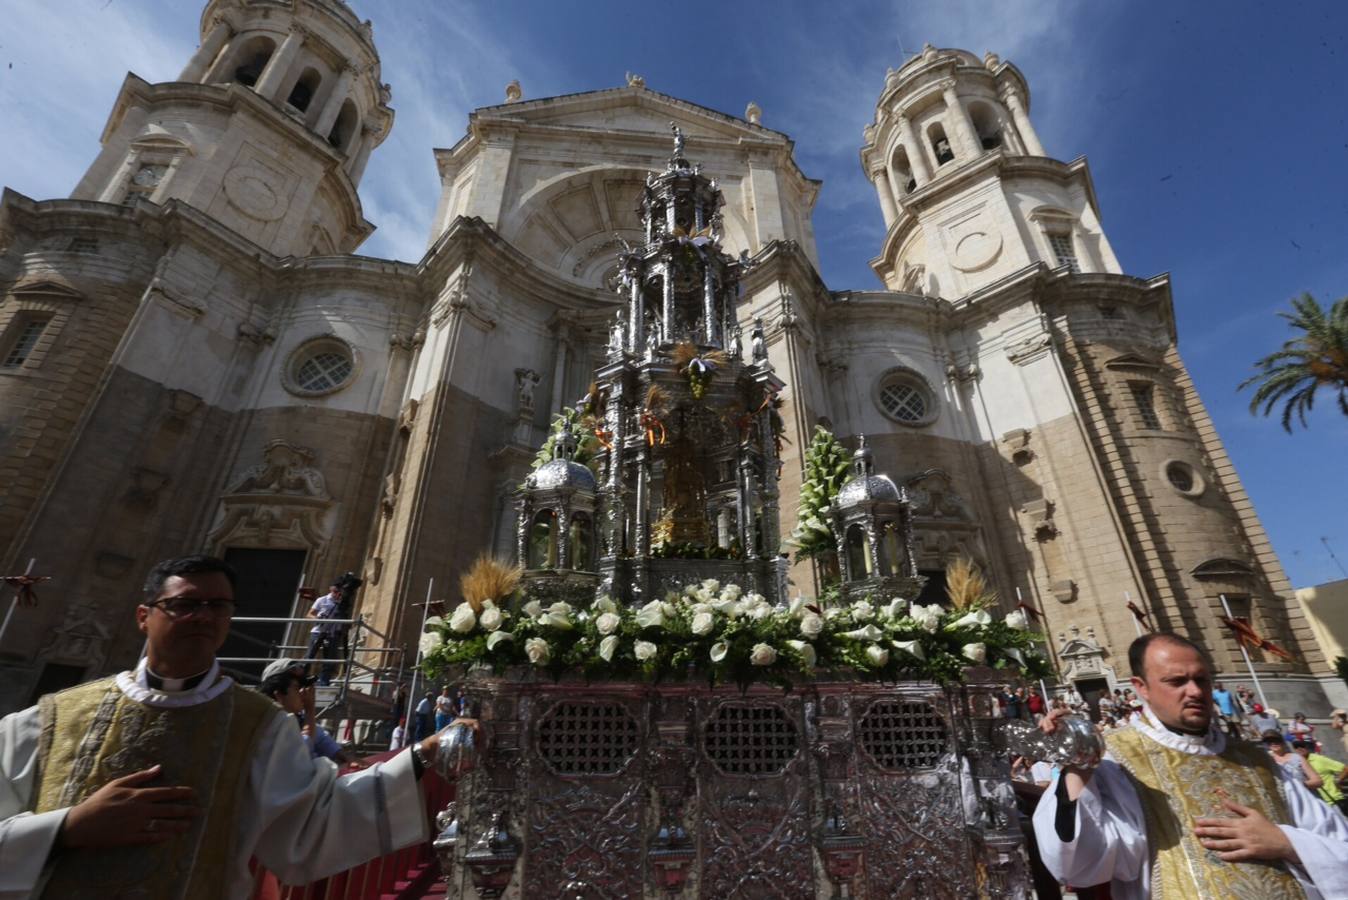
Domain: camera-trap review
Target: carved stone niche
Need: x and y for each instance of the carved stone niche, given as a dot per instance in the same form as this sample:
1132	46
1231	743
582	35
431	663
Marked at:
280	502
1082	657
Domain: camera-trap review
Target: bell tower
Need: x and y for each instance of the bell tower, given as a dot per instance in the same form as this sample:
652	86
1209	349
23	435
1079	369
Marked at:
966	188
268	129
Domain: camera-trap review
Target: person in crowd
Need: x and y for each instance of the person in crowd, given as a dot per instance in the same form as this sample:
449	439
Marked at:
1226	709
1333	774
461	702
1262	720
1005	697
422	723
1034	704
1245	697
1300	729
288	687
1295	765
399	737
1106	706
445	708
1338	720
323	636
165	780
1031	772
1178	809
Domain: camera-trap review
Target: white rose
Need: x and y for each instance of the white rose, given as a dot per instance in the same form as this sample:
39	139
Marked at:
755	599
607	623
497	637
877	655
925	618
711	585
644	650
696	609
537	650
604	604
868	633
430	642
970	619
703	623
811	625
894	609
607	647
763	655
719	650
463	620
805	650
434	622
833	612
491	619
975	653
861	610
1017	619
533	609
560	608
759	611
912	648
652	615
731	592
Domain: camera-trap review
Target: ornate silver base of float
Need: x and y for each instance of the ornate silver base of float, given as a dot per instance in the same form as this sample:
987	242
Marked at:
835	789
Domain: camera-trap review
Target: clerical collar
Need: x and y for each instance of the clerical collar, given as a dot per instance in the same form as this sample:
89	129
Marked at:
174	685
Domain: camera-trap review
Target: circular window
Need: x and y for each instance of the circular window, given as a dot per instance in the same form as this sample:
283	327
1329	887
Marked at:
1183	477
320	366
903	395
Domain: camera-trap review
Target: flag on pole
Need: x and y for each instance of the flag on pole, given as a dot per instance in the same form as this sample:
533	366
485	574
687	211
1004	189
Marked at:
23	587
1246	635
1140	616
1035	615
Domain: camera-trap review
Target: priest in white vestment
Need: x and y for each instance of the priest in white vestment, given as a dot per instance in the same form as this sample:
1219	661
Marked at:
1178	809
164	781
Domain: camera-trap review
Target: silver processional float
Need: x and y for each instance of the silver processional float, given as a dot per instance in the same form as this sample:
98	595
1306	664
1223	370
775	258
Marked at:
660	718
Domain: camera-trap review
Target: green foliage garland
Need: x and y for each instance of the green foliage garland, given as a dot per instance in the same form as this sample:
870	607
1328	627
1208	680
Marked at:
827	468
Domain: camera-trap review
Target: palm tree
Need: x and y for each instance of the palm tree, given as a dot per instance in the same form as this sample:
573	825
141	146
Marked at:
1317	358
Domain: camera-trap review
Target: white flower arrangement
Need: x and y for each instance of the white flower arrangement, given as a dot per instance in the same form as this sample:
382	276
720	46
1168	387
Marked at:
719	631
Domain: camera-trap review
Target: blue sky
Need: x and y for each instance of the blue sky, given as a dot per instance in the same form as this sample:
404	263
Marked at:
1218	143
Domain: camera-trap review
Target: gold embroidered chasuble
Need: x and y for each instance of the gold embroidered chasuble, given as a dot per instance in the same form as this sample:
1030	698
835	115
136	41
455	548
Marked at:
94	733
1176	788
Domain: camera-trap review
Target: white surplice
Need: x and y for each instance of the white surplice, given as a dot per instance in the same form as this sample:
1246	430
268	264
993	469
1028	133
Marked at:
1110	836
296	816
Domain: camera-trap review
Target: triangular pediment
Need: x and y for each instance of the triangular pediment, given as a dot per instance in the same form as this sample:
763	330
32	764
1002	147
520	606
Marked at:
630	109
49	289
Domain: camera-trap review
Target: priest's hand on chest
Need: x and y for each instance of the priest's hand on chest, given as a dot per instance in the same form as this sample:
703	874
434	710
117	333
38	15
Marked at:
128	811
1247	835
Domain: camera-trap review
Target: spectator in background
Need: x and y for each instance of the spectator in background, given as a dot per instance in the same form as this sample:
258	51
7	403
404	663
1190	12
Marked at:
1006	697
1226	709
1299	729
1338	720
293	692
445	708
1106	705
1292	762
422	723
322	637
1035	704
1262	720
399	735
1333	773
1021	707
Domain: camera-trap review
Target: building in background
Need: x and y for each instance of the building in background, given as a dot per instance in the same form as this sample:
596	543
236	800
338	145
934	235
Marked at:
192	357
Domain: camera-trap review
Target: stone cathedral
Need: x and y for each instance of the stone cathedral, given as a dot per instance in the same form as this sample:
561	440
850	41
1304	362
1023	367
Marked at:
194	356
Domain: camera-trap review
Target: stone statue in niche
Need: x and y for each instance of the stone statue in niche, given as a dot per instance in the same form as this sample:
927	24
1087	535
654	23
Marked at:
286	469
758	345
525	382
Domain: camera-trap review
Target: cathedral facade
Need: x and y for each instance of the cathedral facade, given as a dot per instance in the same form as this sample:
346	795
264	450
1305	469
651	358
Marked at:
194	356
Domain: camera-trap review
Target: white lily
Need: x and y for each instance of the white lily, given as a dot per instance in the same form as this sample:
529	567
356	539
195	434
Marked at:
719	651
607	647
972	618
497	637
867	633
805	650
912	648
652	615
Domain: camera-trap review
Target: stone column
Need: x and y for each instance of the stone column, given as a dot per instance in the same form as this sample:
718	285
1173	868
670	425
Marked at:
1027	134
340	91
210	48
278	67
957	118
667	314
887	206
636	325
709	306
362	155
917	151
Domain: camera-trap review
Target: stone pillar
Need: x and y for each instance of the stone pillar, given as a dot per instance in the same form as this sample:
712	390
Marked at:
667	314
362	155
957	120
917	151
1027	134
210	48
887	206
278	67
636	326
340	91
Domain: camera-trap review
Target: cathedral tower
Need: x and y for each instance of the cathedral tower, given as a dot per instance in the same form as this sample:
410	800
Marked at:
268	129
967	191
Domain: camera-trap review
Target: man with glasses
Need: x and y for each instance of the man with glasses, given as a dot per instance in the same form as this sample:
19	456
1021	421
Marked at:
164	780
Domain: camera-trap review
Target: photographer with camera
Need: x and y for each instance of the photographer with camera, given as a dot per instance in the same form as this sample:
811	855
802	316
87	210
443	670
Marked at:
286	683
327	640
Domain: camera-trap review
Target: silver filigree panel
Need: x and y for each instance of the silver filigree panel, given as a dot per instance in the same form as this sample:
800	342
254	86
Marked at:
751	739
576	738
903	734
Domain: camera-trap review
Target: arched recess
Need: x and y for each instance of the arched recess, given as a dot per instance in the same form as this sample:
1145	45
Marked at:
305	90
250	58
343	134
902	179
941	148
987	124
